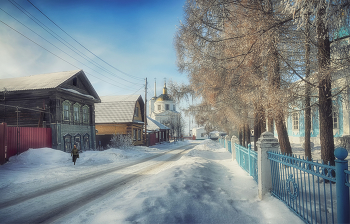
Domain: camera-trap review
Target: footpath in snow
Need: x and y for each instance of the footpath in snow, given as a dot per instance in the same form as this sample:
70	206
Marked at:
203	186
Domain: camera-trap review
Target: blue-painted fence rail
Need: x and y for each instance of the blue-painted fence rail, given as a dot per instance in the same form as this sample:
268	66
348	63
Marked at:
316	192
248	160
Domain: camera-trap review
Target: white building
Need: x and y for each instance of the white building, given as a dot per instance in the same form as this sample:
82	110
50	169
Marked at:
163	109
199	133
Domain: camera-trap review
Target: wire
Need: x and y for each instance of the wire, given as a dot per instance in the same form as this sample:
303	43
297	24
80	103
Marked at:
83	45
26	108
55	54
57	47
60	39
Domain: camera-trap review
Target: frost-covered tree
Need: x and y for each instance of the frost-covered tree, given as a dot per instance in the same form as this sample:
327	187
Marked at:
121	141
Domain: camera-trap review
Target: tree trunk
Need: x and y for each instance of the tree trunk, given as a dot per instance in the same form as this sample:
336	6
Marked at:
282	131
307	140
247	135
257	129
270	124
244	136
259	124
325	88
275	83
240	136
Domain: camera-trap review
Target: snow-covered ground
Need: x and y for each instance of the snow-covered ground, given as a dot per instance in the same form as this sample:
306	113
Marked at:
203	186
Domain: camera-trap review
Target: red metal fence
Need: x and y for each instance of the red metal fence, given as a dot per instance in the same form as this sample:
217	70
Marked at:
3	143
23	138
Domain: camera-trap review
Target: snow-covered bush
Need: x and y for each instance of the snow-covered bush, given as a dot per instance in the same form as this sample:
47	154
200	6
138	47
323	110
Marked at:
121	141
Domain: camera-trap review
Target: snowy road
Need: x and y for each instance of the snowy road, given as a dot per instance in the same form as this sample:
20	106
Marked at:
191	184
29	208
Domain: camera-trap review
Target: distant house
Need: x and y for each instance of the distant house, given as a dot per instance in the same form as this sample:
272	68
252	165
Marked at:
160	131
119	115
63	101
199	133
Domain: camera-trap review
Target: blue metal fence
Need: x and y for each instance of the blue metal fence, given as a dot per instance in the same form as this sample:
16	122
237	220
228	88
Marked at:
309	188
316	192
248	160
229	146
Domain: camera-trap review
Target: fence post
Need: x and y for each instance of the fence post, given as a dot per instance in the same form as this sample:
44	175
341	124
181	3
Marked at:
342	190
234	140
266	143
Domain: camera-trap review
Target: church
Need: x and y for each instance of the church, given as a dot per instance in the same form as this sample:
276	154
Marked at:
163	109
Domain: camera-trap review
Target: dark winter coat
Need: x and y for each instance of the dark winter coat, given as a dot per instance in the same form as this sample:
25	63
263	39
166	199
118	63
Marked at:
74	152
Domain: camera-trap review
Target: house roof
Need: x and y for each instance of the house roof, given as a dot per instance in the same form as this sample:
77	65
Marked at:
49	81
154	125
34	82
117	109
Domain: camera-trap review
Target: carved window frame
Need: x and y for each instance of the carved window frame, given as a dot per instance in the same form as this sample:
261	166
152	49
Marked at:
66	115
86	114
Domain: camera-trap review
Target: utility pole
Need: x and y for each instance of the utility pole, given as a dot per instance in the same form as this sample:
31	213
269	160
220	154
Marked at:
17	111
145	114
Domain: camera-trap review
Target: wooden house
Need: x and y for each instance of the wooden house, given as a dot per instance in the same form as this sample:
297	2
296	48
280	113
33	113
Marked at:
63	101
123	114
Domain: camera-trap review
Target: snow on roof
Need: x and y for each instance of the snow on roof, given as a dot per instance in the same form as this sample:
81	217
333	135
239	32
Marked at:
154	125
120	98
76	92
115	109
42	81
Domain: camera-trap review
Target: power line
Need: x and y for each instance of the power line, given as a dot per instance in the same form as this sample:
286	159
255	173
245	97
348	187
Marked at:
64	42
57	47
83	45
54	53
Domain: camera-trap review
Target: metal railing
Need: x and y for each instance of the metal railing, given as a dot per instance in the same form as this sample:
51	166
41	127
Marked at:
248	160
306	187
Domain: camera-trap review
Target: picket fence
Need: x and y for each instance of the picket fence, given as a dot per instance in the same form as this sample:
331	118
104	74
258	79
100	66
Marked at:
316	192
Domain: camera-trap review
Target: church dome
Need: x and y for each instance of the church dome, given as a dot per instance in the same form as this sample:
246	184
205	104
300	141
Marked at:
164	96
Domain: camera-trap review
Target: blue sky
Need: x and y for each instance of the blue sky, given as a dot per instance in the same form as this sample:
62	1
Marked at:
134	36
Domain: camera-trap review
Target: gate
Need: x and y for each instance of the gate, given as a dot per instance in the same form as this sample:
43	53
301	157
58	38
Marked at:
248	160
22	138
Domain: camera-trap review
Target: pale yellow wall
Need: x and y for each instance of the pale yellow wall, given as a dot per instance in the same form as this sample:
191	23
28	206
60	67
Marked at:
110	129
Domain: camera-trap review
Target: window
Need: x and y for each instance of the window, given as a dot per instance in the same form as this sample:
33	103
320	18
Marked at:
75	81
76	111
335	120
139	134
67	143
136	112
134	130
86	142
156	134
66	110
85	114
166	106
159	107
202	135
174	108
77	141
295	119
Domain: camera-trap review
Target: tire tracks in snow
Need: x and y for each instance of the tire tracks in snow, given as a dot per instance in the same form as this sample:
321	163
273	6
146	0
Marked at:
64	208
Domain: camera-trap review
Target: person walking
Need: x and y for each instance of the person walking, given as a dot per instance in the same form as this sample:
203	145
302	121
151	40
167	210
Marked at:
75	154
